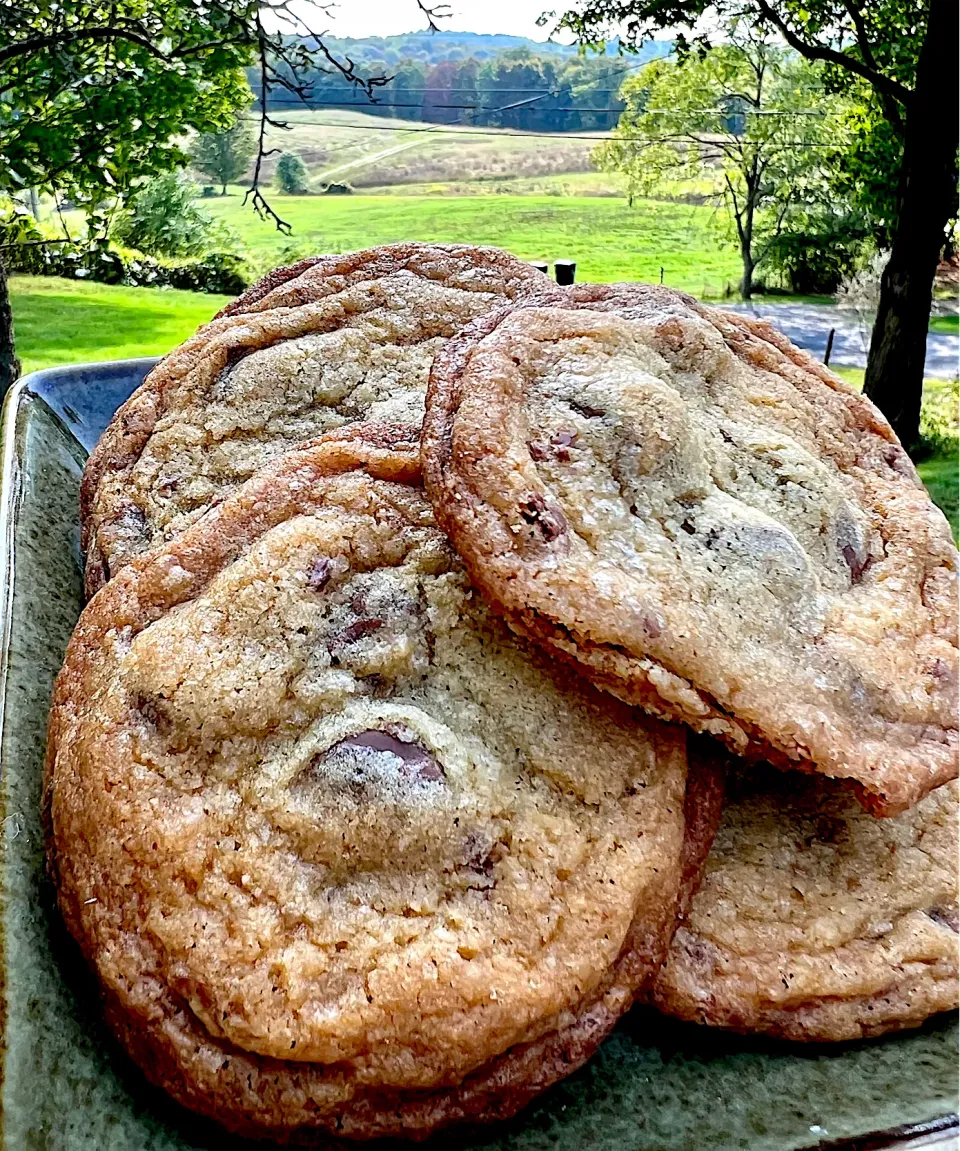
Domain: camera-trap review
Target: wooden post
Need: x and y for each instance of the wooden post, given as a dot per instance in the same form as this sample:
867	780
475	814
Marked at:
826	354
565	271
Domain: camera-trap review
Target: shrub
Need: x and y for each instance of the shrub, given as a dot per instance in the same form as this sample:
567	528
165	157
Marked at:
816	260
938	418
222	273
163	220
292	176
18	238
860	293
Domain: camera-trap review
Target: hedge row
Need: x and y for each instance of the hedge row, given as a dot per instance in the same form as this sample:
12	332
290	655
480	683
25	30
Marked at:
219	272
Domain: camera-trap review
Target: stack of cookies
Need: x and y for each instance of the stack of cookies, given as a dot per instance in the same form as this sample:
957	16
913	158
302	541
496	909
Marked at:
469	659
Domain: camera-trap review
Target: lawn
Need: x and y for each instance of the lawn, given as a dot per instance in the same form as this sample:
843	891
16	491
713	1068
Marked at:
940	475
940	471
72	322
608	240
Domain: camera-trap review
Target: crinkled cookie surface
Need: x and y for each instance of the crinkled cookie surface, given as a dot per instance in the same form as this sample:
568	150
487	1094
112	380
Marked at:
708	524
816	921
343	854
327	342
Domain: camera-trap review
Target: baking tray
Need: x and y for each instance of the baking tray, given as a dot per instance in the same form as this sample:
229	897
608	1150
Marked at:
655	1085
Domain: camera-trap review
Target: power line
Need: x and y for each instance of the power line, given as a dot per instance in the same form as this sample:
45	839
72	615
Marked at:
438	107
256	88
362	105
619	72
451	130
443	129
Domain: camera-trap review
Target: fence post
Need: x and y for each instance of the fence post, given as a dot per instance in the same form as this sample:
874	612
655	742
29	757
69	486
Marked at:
826	354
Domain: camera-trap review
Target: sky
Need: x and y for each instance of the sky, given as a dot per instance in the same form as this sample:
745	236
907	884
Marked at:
390	17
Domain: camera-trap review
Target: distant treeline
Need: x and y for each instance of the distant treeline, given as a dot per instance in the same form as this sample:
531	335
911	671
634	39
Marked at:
458	78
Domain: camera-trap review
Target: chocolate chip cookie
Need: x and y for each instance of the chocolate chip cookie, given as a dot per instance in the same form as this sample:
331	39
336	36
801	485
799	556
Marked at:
325	343
710	525
344	854
814	920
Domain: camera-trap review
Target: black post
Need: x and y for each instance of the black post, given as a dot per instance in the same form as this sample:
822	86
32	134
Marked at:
661	275
826	354
545	268
565	271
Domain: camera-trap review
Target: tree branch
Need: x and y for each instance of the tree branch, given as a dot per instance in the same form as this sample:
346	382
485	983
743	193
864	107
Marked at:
781	216
890	106
31	244
863	41
883	84
104	34
736	207
437	12
253	193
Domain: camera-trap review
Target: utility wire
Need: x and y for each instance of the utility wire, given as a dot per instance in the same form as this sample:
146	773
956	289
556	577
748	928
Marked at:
486	91
362	105
451	130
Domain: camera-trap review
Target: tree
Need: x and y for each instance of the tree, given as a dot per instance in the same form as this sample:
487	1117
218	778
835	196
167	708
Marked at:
862	178
292	176
735	120
406	92
164	220
906	52
224	156
96	94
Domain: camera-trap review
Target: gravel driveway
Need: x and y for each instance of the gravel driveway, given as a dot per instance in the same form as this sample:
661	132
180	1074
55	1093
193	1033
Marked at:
808	325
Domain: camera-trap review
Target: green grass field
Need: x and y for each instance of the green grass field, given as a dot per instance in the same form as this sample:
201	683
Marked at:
940	475
608	240
940	471
71	322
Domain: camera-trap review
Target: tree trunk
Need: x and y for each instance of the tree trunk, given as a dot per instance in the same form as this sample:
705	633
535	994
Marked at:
746	253
926	202
9	364
746	284
223	190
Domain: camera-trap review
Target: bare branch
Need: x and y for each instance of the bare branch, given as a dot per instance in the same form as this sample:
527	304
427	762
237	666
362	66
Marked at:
253	193
437	12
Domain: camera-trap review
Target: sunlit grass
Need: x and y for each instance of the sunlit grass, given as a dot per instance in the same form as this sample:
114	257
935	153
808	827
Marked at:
73	322
608	240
